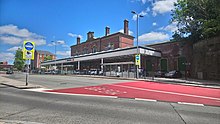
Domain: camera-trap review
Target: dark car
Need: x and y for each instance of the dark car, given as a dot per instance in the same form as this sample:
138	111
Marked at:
173	74
160	73
9	72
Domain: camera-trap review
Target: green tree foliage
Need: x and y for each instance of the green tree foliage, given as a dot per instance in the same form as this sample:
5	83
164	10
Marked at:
196	19
48	57
19	62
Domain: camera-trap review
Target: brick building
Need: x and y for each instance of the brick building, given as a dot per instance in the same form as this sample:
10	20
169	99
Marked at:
107	42
175	55
5	66
39	56
111	54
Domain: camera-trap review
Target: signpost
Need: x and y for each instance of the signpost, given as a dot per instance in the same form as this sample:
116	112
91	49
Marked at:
138	60
28	54
138	63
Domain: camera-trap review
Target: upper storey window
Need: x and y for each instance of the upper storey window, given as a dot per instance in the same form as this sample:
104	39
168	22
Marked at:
110	46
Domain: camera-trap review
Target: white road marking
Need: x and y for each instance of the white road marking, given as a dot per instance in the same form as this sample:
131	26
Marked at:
149	100
81	94
185	103
37	89
167	92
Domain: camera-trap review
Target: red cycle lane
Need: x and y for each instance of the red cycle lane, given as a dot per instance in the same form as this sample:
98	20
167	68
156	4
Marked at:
151	90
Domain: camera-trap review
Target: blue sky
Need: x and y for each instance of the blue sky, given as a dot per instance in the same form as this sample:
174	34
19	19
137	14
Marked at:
43	21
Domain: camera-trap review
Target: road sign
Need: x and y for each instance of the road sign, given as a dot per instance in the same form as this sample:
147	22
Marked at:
138	59
28	50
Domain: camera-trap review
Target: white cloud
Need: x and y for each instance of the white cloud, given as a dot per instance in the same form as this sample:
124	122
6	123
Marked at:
11	34
172	27
154	24
11	40
153	36
129	31
143	1
72	35
60	42
13	49
65	46
7	56
160	7
50	44
75	35
63	53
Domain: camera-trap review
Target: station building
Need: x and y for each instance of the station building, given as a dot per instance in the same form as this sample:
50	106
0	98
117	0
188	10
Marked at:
111	54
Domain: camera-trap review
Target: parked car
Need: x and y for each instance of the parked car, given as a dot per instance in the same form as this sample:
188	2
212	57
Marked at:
9	72
173	74
160	73
93	72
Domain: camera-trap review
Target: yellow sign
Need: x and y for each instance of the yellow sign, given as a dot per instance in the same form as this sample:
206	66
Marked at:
28	50
138	59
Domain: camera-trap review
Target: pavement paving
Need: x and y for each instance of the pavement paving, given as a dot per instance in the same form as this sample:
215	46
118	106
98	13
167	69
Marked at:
16	83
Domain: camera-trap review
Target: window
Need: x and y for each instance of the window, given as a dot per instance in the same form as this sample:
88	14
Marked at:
85	50
110	46
94	49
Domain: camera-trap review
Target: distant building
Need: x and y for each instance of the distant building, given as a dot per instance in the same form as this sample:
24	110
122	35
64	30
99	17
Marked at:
39	56
5	66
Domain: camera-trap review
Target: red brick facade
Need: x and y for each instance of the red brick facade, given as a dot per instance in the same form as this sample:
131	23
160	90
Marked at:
107	42
177	55
39	57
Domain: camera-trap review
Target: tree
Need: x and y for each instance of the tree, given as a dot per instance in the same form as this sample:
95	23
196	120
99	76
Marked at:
48	57
19	62
196	19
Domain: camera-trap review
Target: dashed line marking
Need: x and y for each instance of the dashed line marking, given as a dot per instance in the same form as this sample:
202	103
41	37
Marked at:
148	100
186	103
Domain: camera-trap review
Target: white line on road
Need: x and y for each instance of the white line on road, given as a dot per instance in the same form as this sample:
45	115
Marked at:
37	89
186	103
149	100
80	94
167	92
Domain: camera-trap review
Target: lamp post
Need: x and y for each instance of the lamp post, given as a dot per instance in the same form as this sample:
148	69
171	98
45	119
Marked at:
137	15
55	52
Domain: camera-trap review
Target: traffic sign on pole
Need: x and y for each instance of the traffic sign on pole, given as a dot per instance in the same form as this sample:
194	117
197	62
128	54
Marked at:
137	59
28	50
28	54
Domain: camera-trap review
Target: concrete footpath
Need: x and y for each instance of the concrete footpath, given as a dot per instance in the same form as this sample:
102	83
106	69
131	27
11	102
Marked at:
17	84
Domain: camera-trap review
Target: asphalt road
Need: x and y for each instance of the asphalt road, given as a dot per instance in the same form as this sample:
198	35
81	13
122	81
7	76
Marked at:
20	106
62	81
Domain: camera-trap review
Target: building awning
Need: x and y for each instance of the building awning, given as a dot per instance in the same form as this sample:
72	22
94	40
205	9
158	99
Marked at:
107	54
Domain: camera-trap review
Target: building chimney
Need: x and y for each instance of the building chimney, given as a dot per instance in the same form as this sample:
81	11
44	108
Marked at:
90	35
126	27
107	31
78	40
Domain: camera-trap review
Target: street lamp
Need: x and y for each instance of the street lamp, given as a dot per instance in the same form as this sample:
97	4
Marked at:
55	52
137	15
